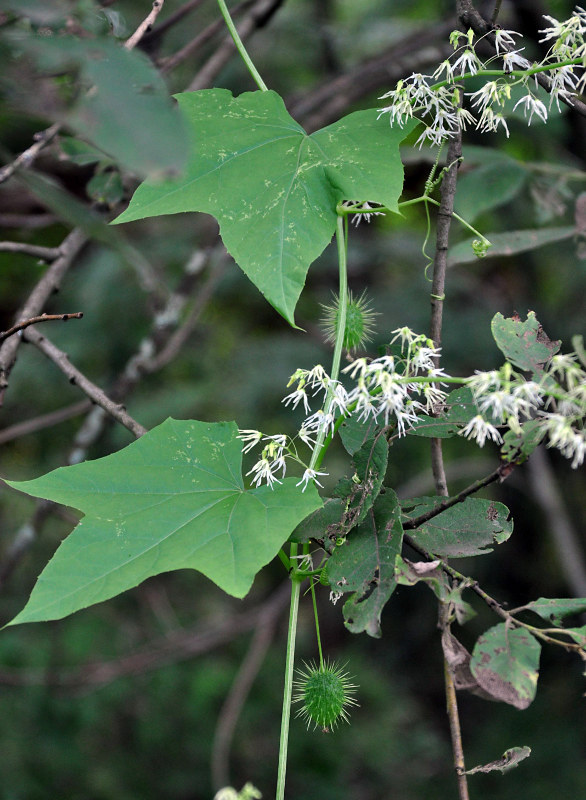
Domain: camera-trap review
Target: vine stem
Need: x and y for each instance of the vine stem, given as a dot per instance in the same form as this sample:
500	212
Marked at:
318	452
288	691
240	47
342	245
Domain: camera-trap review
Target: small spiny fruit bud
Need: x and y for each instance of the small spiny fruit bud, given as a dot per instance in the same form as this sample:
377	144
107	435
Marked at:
359	322
325	693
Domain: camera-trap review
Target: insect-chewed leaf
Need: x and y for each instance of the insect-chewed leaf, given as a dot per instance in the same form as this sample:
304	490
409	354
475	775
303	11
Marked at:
524	344
174	499
272	187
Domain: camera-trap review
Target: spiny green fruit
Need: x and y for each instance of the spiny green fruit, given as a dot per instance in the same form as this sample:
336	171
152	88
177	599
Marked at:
359	322
326	693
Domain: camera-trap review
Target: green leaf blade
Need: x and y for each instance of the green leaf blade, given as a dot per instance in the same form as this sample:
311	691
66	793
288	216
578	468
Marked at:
272	188
524	344
174	499
469	528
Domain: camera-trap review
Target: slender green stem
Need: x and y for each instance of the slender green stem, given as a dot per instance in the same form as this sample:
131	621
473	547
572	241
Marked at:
342	244
515	73
240	47
426	199
321	655
288	691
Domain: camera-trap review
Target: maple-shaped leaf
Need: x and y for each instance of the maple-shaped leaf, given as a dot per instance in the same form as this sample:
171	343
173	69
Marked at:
174	499
272	187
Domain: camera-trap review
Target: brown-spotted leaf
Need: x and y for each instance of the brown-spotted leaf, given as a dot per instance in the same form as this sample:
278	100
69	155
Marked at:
505	663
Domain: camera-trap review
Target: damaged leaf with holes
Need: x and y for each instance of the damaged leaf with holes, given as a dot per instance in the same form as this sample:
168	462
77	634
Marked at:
365	565
469	528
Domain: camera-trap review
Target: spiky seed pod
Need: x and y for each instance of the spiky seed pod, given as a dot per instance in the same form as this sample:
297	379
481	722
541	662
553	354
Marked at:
359	322
325	693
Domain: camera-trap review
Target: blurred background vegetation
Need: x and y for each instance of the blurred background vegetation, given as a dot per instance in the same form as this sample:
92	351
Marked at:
174	689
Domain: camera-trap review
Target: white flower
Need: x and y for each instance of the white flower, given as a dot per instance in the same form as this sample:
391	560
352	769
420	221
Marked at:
485	96
489	121
513	60
252	438
296	397
504	39
318	379
320	422
479	430
310	475
366	214
359	365
467	62
264	471
482	382
306	436
570	441
339	399
465	118
335	596
446	67
533	106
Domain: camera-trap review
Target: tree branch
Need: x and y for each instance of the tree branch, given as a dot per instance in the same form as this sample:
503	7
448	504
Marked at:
20	326
145	25
60	359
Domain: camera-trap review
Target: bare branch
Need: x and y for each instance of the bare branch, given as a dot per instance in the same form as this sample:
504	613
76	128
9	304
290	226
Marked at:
43	253
34	320
26	158
60	359
145	25
49	283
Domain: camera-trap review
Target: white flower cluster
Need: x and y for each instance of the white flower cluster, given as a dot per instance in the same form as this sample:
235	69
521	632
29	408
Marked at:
388	389
435	98
558	404
395	390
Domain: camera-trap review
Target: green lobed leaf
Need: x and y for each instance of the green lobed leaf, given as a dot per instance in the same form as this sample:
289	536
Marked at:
510	243
524	344
274	189
505	662
174	499
468	528
458	410
500	183
365	565
554	611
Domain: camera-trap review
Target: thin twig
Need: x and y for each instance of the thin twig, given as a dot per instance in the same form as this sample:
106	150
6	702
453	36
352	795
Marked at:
145	25
48	283
26	158
153	36
42	253
20	326
60	359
